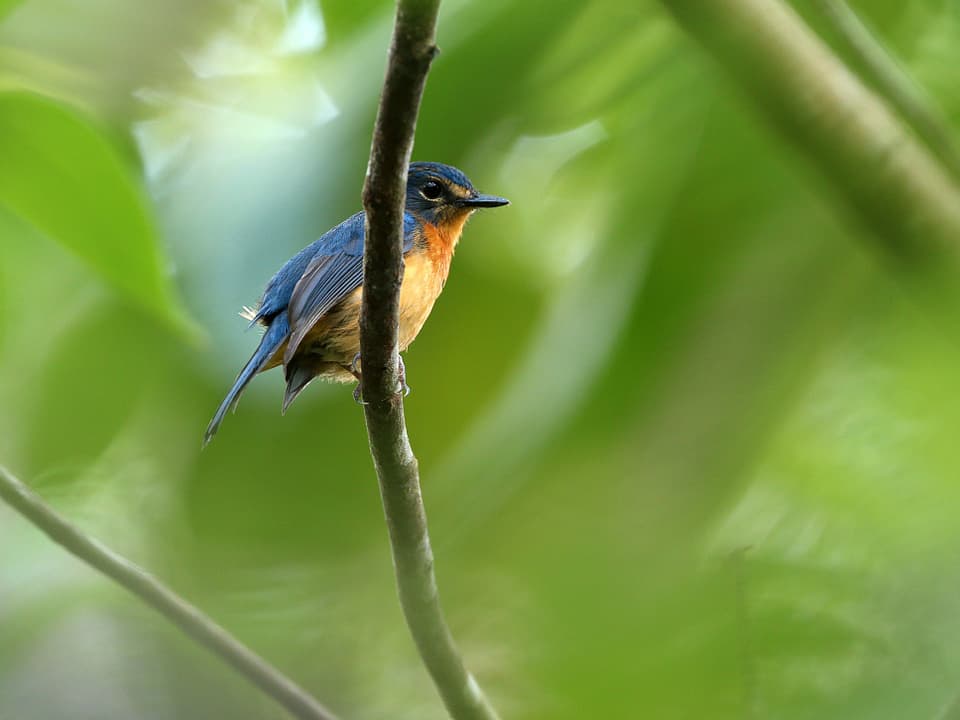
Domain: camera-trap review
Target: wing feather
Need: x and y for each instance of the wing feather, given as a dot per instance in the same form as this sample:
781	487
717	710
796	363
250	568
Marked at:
329	278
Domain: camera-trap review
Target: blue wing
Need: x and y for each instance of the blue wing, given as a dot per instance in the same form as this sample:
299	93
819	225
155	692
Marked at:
328	279
279	289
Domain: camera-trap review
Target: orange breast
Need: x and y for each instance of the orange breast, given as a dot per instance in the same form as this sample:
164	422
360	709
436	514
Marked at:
336	336
423	278
425	273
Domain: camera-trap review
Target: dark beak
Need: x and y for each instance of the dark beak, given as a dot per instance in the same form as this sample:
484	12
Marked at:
484	201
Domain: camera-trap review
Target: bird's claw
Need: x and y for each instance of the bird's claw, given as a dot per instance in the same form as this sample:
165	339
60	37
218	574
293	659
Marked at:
355	371
402	377
402	388
358	395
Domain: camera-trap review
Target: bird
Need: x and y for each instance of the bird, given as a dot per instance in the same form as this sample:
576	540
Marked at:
310	309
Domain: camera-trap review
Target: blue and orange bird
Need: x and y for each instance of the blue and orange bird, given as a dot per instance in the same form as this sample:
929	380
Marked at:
311	307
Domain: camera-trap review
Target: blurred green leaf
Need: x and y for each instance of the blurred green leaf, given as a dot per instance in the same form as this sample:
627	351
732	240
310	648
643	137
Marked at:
98	364
61	175
6	6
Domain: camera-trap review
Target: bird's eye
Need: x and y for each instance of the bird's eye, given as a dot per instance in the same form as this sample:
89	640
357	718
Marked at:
431	190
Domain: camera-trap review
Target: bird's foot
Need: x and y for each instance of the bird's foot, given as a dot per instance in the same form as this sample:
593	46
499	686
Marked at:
354	369
358	393
358	390
402	376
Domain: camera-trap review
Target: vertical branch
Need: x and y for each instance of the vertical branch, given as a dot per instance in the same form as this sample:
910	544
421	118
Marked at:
384	194
185	616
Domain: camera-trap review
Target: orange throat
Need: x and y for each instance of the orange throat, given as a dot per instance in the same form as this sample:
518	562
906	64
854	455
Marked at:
442	240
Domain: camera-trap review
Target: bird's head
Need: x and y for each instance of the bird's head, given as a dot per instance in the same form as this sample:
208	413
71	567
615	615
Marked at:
441	194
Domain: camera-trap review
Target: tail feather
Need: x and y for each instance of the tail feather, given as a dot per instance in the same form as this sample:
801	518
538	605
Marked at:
271	340
299	374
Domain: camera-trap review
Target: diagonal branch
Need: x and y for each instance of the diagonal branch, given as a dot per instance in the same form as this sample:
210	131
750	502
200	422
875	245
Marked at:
892	182
889	77
181	613
384	192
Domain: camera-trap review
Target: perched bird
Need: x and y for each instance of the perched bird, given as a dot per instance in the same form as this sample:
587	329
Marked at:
311	307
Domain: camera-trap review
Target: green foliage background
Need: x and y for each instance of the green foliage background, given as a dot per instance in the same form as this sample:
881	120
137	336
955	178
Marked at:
687	445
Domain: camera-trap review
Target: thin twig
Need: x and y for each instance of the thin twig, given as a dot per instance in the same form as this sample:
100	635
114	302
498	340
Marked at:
892	182
411	54
181	613
890	78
